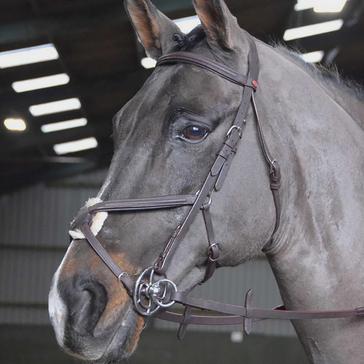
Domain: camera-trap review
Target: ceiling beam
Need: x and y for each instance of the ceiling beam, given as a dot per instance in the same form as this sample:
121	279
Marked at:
9	75
125	85
328	40
78	21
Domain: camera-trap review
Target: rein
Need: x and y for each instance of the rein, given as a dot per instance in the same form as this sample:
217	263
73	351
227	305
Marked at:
151	291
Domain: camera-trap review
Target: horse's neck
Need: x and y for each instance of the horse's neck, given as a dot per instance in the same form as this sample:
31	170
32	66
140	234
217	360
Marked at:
309	283
317	258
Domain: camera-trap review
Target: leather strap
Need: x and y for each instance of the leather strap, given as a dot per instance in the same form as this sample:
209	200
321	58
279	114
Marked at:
122	276
205	63
222	163
216	313
130	205
226	314
143	204
213	252
274	171
259	313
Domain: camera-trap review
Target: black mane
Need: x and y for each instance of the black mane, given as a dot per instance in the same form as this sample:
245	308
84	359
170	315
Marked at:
328	75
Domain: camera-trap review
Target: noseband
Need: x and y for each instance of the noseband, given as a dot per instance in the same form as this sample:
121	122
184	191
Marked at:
152	291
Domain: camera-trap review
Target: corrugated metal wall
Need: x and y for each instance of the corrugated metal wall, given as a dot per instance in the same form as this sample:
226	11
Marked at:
33	239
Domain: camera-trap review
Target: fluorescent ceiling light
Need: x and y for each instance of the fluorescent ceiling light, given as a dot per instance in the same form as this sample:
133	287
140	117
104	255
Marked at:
55	107
75	146
314	29
329	6
148	62
313	57
23	56
15	124
321	6
187	24
304	4
41	82
63	125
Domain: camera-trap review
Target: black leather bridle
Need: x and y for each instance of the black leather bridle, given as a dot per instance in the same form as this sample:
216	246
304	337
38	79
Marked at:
152	292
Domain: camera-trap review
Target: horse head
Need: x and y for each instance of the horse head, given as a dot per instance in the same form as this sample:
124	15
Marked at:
166	139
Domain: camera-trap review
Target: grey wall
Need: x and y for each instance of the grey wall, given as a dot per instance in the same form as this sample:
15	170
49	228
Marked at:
33	239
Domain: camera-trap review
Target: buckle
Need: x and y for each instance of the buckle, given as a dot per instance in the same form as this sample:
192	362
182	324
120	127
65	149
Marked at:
214	252
238	128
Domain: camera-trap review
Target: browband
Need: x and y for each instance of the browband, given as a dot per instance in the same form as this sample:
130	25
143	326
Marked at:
207	64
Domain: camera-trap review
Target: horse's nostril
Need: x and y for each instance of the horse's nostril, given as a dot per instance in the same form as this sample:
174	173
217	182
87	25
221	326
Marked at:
86	301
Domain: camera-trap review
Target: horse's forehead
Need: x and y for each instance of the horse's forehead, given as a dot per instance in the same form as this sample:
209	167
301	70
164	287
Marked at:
179	86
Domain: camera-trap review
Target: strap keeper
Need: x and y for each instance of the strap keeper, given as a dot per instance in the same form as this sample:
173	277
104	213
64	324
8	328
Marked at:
227	156
359	311
227	153
214	252
232	147
248	322
275	176
181	333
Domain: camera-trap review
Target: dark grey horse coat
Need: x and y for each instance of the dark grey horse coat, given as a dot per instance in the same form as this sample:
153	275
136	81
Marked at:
315	128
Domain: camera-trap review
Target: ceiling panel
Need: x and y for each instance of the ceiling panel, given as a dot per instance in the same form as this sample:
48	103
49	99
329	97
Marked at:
98	49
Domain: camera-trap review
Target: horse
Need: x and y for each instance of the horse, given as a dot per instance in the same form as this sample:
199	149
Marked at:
166	139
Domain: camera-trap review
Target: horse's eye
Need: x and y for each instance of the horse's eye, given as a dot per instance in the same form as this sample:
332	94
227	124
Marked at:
194	133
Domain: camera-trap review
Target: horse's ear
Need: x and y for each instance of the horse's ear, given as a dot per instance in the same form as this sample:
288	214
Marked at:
218	22
155	30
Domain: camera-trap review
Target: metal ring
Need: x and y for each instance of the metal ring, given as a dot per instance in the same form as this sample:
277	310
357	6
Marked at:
147	299
171	284
213	245
238	128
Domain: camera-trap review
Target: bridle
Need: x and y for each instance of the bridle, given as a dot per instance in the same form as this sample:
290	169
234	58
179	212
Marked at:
151	291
